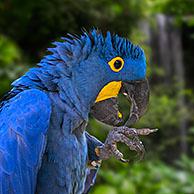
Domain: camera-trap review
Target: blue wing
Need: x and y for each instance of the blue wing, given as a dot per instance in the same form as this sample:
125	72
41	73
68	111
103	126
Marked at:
24	122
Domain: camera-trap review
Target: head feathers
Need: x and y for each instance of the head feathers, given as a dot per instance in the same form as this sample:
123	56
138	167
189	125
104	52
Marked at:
79	48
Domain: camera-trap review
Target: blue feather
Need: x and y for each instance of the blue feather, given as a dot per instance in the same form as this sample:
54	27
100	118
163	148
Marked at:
23	127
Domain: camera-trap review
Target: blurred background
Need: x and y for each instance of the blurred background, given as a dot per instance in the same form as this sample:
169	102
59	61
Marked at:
165	29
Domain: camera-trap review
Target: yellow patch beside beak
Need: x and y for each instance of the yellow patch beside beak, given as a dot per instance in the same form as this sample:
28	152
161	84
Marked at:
108	91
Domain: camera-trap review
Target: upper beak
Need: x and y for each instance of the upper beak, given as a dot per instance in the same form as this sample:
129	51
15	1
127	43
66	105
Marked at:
138	93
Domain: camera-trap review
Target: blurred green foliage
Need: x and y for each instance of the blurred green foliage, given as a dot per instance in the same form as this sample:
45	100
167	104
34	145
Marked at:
148	177
34	24
10	63
26	30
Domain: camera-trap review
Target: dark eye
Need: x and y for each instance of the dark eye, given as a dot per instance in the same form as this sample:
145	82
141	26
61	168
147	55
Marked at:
116	64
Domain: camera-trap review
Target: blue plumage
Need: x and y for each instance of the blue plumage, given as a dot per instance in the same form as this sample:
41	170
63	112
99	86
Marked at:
23	122
43	118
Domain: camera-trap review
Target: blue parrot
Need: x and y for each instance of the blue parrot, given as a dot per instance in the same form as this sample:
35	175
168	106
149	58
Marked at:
44	147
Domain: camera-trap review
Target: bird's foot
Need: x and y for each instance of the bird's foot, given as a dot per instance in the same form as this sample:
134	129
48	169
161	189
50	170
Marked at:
128	136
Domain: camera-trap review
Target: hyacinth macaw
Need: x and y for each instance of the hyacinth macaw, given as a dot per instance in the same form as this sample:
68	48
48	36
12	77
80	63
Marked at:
44	147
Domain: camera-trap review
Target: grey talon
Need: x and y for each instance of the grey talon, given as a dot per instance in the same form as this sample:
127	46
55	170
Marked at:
128	136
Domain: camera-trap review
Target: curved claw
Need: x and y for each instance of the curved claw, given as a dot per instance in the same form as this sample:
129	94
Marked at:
146	131
124	160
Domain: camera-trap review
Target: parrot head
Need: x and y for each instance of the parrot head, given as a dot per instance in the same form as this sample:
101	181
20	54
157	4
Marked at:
108	66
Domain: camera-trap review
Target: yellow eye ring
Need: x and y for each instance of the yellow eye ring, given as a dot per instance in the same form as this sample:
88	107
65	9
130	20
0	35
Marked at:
116	64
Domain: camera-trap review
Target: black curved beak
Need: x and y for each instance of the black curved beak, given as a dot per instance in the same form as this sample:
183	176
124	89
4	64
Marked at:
138	93
107	111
